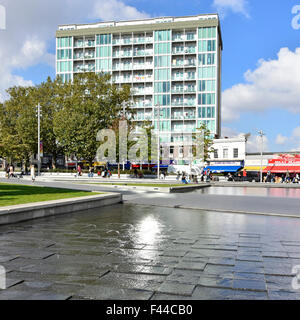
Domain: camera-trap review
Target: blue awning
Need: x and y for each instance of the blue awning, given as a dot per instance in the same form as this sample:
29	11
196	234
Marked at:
221	169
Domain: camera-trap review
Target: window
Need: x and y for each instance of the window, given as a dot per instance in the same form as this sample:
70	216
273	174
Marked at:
207	72
161	87
103	52
103	65
163	48
205	33
216	153
64	54
104	39
162	74
163	35
235	152
225	153
162	61
207	45
64	42
206	98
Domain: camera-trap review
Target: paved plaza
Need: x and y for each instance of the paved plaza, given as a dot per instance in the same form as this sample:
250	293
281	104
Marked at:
142	252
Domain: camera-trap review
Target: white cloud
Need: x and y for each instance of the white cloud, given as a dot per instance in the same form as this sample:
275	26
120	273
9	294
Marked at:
236	6
274	84
117	10
253	141
31	26
280	139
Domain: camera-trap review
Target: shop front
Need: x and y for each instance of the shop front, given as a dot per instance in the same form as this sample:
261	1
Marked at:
284	164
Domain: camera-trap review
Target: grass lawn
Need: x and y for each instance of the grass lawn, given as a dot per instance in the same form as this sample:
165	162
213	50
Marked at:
151	185
12	194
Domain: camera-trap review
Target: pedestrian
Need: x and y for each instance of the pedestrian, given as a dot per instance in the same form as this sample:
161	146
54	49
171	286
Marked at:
79	170
7	171
208	175
244	175
135	173
11	171
32	172
287	177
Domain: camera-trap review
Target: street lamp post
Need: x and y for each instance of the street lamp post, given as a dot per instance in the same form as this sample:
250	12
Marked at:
261	134
39	139
158	141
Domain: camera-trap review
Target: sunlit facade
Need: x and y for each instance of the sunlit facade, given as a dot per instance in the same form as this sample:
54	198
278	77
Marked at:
173	63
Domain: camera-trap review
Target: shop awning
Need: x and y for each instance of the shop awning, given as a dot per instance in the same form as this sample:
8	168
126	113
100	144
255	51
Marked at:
282	169
254	168
221	169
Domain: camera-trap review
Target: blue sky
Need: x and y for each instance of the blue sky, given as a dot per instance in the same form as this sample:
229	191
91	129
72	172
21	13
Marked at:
267	98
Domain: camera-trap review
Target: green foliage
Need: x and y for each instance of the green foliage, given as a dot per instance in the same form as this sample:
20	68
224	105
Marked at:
72	113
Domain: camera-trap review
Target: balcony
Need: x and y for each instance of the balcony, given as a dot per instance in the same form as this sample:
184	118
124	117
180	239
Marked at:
89	55
143	66
89	43
186	50
78	44
84	68
143	40
142	78
122	67
177	90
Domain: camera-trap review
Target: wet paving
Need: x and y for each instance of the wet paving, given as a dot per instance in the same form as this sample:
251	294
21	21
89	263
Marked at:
140	252
252	191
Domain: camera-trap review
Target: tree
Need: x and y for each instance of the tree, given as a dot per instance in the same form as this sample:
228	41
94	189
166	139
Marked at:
85	106
203	142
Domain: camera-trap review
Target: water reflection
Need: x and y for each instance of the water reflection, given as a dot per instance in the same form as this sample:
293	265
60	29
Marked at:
252	191
148	230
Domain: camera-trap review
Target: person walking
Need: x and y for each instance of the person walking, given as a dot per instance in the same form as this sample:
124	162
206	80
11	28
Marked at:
79	170
7	171
244	175
32	172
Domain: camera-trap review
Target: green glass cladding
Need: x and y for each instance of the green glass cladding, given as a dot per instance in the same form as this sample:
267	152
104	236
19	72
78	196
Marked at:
103	52
65	66
163	35
103	39
64	42
207	33
64	54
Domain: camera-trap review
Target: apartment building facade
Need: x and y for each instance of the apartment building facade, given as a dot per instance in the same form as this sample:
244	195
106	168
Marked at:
172	64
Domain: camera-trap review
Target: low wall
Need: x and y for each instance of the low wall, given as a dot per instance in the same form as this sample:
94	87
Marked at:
159	189
24	212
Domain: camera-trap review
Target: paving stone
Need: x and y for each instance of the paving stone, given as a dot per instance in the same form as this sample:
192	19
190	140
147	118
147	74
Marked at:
283	295
254	258
176	288
248	267
206	293
250	295
191	265
174	253
220	270
111	293
222	261
131	281
27	295
215	282
173	297
253	285
141	269
275	254
249	276
185	276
